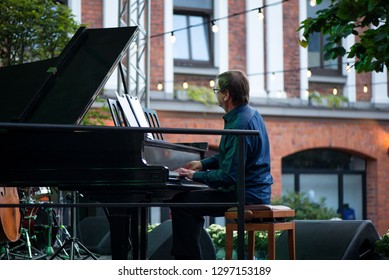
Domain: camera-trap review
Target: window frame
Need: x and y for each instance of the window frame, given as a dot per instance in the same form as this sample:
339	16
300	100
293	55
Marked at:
321	70
207	15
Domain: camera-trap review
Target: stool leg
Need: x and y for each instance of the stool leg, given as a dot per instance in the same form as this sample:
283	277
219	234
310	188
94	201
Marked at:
271	242
292	243
251	244
228	242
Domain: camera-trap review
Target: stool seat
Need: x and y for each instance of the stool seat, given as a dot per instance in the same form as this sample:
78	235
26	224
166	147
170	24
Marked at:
262	217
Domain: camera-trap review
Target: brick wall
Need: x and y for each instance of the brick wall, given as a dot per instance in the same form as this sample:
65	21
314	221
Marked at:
237	35
291	49
157	49
92	13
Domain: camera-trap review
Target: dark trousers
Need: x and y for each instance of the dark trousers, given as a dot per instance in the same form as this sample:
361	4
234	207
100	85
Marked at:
188	221
119	222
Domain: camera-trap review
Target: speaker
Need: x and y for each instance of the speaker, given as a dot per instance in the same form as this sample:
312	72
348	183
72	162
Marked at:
93	232
331	240
160	243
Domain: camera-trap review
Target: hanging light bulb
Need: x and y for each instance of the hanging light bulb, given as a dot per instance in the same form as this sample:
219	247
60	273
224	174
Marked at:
309	73
273	76
185	85
335	91
260	14
172	37
312	3
365	88
348	67
135	47
160	86
211	83
215	28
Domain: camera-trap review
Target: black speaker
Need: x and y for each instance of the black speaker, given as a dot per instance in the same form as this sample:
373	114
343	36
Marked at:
331	240
93	232
160	243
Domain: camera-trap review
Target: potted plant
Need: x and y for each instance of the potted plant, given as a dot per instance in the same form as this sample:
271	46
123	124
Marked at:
382	246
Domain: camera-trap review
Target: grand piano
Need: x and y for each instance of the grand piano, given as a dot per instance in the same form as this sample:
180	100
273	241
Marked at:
43	143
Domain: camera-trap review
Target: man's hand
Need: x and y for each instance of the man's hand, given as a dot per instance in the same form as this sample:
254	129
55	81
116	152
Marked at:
194	165
187	173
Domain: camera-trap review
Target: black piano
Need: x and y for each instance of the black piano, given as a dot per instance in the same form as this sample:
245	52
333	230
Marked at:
43	143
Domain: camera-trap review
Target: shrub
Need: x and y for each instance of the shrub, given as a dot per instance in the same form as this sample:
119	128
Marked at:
382	245
306	209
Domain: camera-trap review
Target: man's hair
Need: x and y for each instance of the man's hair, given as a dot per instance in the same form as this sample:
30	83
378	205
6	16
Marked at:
236	82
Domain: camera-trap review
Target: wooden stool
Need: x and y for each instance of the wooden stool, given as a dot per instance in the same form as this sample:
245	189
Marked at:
260	217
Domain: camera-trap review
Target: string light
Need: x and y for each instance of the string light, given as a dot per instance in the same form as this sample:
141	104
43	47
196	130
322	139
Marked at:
260	14
309	73
172	38
215	28
312	3
306	91
365	88
259	9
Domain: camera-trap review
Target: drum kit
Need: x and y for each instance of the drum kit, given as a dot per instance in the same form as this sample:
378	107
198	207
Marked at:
41	226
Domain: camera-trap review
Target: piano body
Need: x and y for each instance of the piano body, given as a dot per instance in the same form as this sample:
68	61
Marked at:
44	145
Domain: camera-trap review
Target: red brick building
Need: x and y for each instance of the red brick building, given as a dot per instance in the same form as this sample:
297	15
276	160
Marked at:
340	152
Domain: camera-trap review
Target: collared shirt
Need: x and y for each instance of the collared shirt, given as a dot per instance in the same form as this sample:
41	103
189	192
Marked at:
221	170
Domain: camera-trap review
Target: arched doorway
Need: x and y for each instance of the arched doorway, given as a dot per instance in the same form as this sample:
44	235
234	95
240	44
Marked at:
337	175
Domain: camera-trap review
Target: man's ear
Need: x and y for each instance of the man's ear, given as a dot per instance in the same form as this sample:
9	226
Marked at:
227	96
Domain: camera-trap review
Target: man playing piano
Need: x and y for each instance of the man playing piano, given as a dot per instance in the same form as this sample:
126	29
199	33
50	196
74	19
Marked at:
220	171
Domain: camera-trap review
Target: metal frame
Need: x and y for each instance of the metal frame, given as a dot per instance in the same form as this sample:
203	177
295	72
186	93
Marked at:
136	63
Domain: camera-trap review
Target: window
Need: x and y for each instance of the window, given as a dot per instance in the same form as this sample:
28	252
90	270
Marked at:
316	61
338	176
193	37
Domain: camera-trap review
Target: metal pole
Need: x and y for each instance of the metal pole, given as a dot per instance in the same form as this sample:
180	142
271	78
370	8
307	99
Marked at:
241	192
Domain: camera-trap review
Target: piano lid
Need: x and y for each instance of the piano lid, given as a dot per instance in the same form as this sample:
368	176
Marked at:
62	89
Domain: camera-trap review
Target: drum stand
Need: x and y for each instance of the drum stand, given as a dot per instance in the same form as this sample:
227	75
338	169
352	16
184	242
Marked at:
71	241
16	253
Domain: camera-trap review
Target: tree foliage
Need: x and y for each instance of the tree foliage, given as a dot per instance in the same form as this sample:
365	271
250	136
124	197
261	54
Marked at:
33	30
366	19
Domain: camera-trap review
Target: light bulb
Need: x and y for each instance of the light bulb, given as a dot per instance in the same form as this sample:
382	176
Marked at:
160	86
309	73
185	85
215	28
335	91
172	38
365	89
211	83
312	3
348	67
260	14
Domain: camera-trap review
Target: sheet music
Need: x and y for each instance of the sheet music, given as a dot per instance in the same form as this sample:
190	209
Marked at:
128	113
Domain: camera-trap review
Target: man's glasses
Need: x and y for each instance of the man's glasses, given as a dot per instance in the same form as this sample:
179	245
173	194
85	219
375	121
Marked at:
216	90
